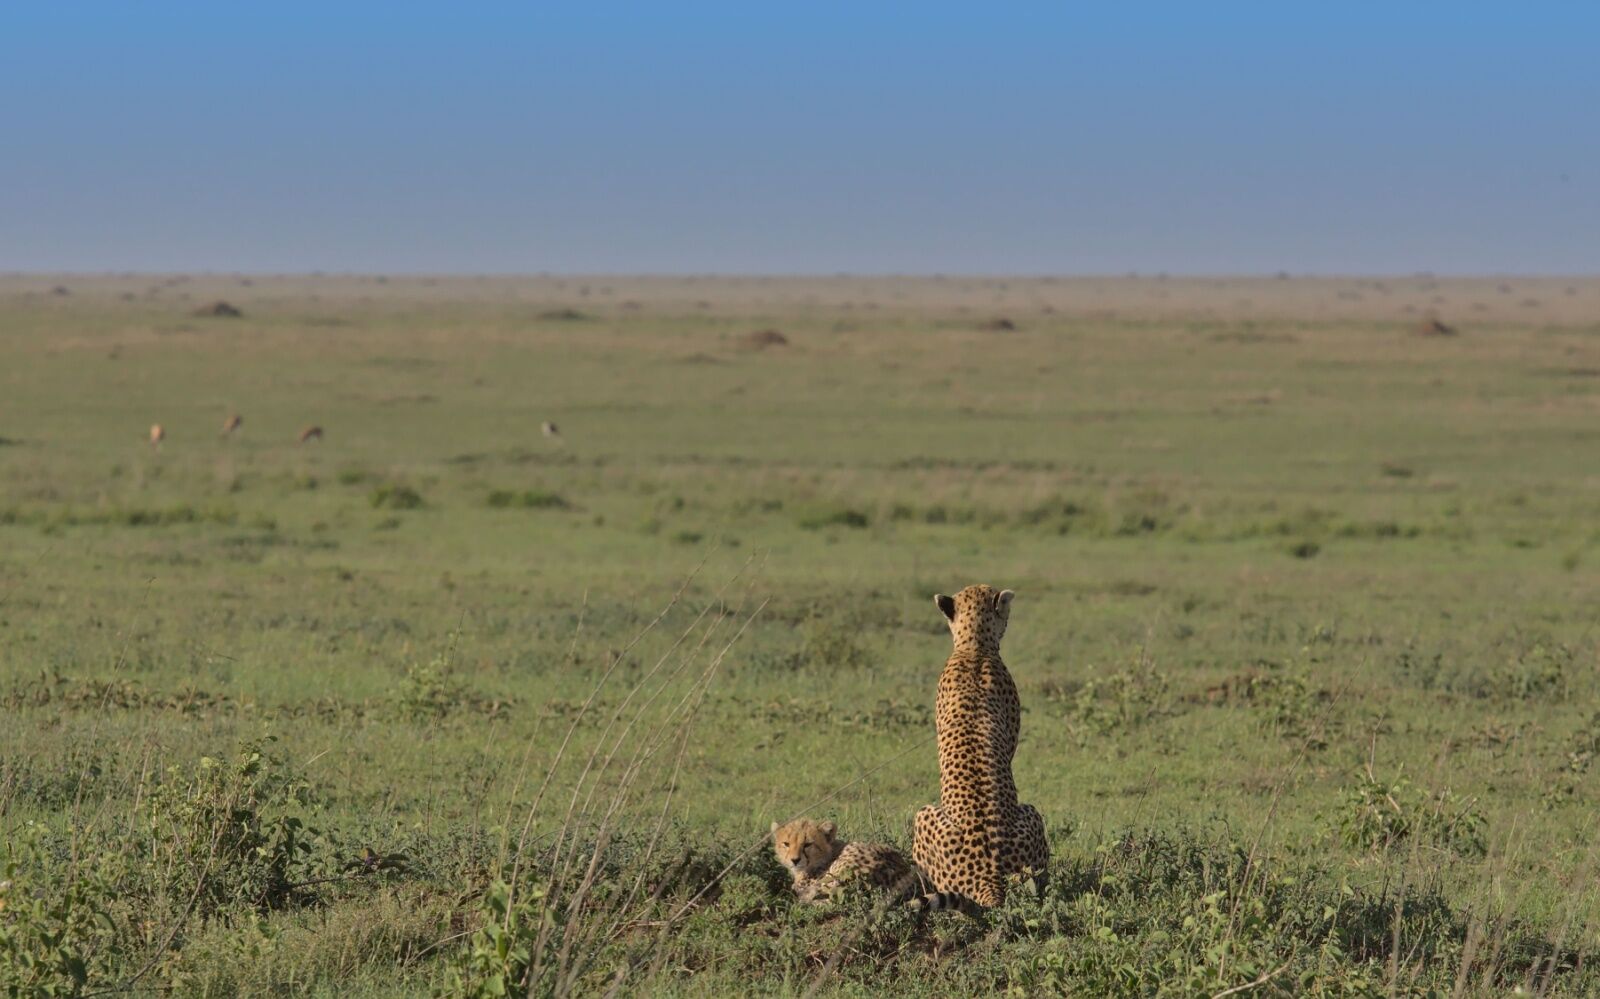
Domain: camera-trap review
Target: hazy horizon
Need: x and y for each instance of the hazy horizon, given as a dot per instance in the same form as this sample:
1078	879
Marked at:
405	275
719	139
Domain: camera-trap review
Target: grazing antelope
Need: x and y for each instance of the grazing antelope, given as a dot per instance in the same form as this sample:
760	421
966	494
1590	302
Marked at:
231	424
158	433
311	433
549	429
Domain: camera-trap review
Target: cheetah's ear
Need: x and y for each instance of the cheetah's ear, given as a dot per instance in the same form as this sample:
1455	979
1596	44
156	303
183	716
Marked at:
828	829
774	829
946	605
1002	600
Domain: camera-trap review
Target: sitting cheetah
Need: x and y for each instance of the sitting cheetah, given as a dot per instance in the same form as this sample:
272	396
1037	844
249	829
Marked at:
822	863
978	835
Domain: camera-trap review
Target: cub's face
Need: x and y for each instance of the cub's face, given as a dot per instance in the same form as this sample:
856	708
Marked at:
804	847
978	613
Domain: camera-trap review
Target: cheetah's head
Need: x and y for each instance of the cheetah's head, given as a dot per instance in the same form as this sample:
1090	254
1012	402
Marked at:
977	615
805	847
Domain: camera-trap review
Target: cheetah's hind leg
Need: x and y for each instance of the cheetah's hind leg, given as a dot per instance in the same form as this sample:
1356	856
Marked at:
927	832
1029	830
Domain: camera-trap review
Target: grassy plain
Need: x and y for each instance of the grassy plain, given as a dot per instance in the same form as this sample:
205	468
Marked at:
1305	630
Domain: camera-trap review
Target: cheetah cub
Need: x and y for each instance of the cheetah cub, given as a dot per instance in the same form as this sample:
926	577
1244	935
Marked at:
822	864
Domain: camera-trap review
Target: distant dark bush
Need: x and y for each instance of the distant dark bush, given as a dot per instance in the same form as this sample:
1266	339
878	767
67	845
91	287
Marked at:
833	517
528	499
395	497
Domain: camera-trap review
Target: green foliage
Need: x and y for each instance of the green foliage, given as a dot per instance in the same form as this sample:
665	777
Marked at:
58	925
528	499
228	833
498	958
1112	701
430	691
826	516
1379	814
394	496
1540	671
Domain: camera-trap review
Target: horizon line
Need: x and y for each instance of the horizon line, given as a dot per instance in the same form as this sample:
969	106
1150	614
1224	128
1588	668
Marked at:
1154	275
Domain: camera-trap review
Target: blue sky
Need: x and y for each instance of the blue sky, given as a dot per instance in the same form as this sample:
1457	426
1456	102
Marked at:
816	138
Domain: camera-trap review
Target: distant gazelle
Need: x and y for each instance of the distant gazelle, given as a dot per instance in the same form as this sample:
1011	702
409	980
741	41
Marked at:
549	429
232	424
158	433
311	433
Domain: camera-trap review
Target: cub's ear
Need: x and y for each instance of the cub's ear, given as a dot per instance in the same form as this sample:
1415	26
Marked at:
828	829
1002	600
774	829
946	605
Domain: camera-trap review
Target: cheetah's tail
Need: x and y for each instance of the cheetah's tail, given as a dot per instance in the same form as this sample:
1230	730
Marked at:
910	889
934	901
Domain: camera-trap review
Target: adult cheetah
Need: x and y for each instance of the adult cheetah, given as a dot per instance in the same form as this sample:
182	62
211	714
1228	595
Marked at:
978	835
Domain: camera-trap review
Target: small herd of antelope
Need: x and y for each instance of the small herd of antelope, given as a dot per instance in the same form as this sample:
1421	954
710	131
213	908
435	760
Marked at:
230	426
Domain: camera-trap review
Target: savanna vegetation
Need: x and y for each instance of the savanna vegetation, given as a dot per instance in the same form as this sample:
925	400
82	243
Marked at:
439	704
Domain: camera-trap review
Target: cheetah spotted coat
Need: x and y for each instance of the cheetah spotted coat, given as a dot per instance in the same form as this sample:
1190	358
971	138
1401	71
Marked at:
822	863
978	835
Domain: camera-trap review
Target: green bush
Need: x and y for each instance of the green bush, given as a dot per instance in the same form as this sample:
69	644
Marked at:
228	832
59	926
817	519
1378	814
430	691
528	499
395	497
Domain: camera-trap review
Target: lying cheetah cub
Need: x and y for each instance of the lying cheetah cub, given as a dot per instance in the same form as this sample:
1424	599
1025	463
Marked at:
822	863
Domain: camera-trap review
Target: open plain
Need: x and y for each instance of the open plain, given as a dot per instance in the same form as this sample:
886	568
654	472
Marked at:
445	702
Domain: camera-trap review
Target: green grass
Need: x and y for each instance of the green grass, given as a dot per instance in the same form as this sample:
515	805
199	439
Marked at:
1305	636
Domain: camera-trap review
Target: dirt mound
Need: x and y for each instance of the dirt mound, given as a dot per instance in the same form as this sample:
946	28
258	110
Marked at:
998	325
219	309
762	339
1433	326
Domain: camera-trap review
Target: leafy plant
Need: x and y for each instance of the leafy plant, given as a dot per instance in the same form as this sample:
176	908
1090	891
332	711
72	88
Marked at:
395	497
430	690
1378	814
58	925
226	833
528	499
1122	699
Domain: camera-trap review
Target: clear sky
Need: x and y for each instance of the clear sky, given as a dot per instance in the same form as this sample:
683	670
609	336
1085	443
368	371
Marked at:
755	137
